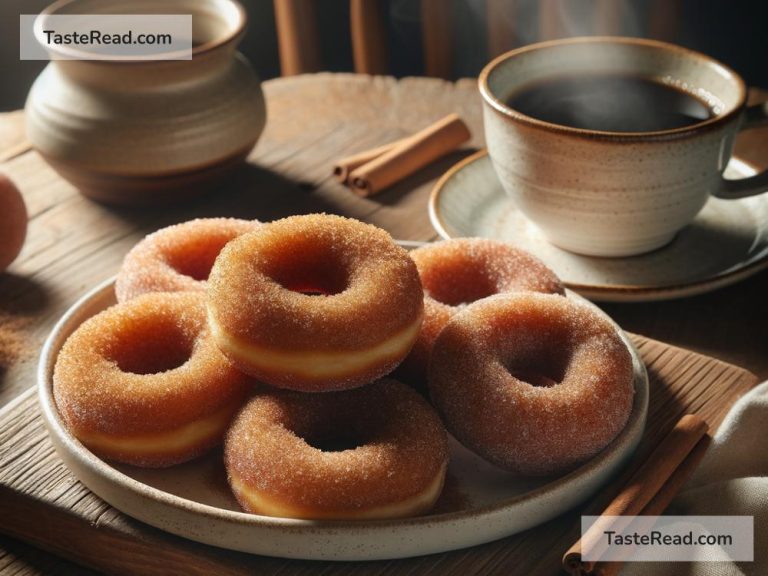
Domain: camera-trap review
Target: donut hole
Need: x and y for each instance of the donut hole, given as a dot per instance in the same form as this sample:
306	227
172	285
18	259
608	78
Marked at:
544	372
335	442
309	271
195	259
328	427
161	348
316	282
313	289
459	281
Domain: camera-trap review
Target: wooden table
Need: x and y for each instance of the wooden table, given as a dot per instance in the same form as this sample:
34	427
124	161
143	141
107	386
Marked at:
74	244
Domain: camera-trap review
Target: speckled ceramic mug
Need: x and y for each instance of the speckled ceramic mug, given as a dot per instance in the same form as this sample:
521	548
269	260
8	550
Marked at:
615	193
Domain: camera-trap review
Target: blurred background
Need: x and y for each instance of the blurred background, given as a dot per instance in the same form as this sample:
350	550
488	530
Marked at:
446	38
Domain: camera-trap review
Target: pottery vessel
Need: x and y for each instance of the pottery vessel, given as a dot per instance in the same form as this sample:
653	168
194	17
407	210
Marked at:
139	132
605	193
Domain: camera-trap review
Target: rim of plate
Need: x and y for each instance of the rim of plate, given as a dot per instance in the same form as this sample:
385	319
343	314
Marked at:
607	290
104	469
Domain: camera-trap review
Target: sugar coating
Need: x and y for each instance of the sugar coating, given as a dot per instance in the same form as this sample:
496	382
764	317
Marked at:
369	289
144	366
457	272
402	447
525	428
177	258
373	288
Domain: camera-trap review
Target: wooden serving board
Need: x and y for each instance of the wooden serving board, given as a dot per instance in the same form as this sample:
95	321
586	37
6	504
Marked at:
42	503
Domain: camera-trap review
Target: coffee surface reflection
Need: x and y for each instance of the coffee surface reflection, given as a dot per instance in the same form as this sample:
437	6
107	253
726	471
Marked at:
609	102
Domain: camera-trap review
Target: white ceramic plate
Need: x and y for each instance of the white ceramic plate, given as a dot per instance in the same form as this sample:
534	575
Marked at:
727	242
480	504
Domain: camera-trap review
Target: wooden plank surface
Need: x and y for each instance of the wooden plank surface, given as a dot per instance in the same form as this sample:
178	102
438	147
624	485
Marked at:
13	140
20	559
74	243
42	503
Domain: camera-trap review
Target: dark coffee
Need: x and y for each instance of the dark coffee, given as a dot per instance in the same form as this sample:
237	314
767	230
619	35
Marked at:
609	102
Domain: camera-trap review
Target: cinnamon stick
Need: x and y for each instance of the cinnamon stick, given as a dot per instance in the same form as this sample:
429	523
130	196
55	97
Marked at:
409	156
344	167
648	482
664	497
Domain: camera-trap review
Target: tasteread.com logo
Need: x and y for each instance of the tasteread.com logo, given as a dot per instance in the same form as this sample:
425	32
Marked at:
105	37
95	37
667	538
658	538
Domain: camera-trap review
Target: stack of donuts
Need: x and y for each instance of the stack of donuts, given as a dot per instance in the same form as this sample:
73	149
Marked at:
330	362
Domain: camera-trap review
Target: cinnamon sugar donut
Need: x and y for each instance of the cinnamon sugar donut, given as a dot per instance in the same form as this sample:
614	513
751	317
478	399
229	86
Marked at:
177	258
315	303
457	272
533	383
143	382
375	452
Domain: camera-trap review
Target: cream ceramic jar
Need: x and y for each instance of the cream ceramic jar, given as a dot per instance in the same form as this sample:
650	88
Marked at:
606	193
137	132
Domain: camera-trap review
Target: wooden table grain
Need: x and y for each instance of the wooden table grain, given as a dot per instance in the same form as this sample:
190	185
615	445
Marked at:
74	243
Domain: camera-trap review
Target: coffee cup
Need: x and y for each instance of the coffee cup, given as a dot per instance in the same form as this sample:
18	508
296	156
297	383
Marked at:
611	145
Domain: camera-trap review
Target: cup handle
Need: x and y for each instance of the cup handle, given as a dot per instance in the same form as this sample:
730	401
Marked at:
754	116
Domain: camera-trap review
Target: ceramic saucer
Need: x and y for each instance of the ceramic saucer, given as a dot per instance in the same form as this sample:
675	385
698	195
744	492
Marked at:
727	242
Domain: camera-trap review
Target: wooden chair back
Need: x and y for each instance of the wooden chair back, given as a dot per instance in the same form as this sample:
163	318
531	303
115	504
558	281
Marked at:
299	44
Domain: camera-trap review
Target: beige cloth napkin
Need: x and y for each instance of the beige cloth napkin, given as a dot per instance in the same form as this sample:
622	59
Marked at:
732	480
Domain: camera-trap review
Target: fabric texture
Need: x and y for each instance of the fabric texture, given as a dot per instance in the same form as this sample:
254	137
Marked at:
732	480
